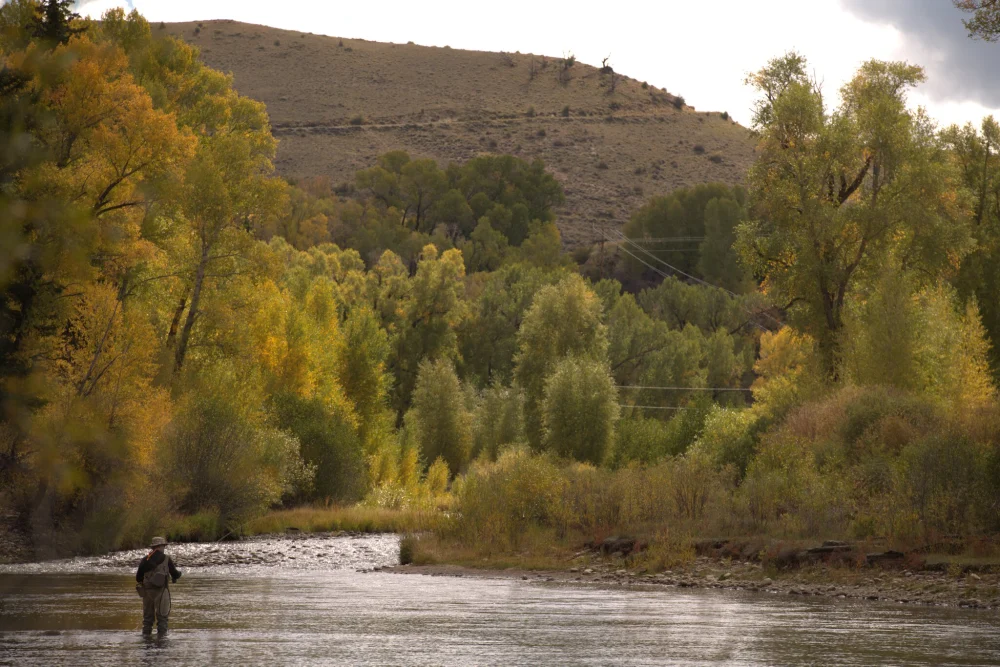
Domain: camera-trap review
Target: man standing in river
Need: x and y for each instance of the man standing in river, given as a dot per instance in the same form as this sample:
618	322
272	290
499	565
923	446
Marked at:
152	584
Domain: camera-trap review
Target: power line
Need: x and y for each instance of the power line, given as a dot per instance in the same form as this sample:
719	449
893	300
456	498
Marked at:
665	275
674	268
669	239
627	386
688	275
651	407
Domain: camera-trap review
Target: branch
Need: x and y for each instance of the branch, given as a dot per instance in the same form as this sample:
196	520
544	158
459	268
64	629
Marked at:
848	190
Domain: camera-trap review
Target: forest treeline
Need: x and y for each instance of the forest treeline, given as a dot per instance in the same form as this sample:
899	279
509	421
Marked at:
183	332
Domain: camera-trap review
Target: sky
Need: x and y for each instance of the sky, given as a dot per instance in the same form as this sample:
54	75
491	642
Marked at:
701	50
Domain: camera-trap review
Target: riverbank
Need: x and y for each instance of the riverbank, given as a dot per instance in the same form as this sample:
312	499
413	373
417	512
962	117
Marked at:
828	569
16	547
971	589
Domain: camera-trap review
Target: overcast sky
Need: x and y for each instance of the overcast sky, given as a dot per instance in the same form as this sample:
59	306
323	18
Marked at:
701	50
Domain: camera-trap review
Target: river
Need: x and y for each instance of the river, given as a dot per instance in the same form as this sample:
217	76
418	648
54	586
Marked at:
304	602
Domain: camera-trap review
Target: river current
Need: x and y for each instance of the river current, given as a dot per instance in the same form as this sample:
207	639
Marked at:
311	601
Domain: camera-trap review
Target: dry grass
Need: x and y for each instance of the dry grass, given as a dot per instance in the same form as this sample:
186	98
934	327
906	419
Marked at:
451	105
541	551
356	518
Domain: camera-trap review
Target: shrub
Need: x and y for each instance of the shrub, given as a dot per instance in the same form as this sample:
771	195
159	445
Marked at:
277	42
942	476
582	253
197	30
716	158
645	85
223	455
407	544
565	111
328	441
678	102
541	133
729	437
602	165
498	502
641	440
531	112
725	115
698	148
358	120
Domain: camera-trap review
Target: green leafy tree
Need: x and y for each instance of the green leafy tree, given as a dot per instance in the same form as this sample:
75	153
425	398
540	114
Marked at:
564	320
488	337
580	410
432	311
976	153
498	420
985	21
693	231
439	416
835	195
485	248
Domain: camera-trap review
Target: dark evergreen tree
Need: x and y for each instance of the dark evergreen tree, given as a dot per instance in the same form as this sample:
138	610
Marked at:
53	23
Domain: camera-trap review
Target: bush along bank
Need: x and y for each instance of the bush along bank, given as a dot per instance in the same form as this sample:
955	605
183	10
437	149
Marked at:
834	570
824	533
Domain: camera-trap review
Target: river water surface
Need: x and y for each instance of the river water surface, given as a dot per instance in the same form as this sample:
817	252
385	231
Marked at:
304	602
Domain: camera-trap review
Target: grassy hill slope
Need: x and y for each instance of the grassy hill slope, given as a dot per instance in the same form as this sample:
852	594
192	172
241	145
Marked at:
336	104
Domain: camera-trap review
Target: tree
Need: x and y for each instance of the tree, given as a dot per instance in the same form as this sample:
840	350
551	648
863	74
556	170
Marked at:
488	337
439	416
485	248
835	195
985	21
421	183
53	22
580	410
691	229
228	187
979	275
432	310
564	320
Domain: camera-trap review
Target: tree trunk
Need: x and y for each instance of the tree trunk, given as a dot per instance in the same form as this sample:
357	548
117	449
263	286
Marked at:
199	282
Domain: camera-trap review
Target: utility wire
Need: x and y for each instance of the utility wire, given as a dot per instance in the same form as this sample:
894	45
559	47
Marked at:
628	386
651	407
666	275
669	239
703	282
688	275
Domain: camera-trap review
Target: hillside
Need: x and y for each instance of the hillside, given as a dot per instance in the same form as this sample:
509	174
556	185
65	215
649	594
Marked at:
337	104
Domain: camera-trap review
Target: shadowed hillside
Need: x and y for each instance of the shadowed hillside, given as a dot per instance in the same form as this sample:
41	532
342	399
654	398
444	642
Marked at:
337	104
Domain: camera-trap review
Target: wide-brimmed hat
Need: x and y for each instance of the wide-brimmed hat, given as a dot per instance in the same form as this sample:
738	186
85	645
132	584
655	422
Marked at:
158	542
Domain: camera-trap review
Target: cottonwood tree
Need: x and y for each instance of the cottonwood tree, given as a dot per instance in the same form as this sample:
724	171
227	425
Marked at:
228	187
432	310
836	195
977	154
564	320
580	409
439	416
985	21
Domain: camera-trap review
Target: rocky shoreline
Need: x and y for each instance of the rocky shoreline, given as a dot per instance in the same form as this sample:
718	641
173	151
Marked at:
926	587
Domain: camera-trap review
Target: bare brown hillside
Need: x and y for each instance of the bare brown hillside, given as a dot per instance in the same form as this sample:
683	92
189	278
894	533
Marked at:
337	104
